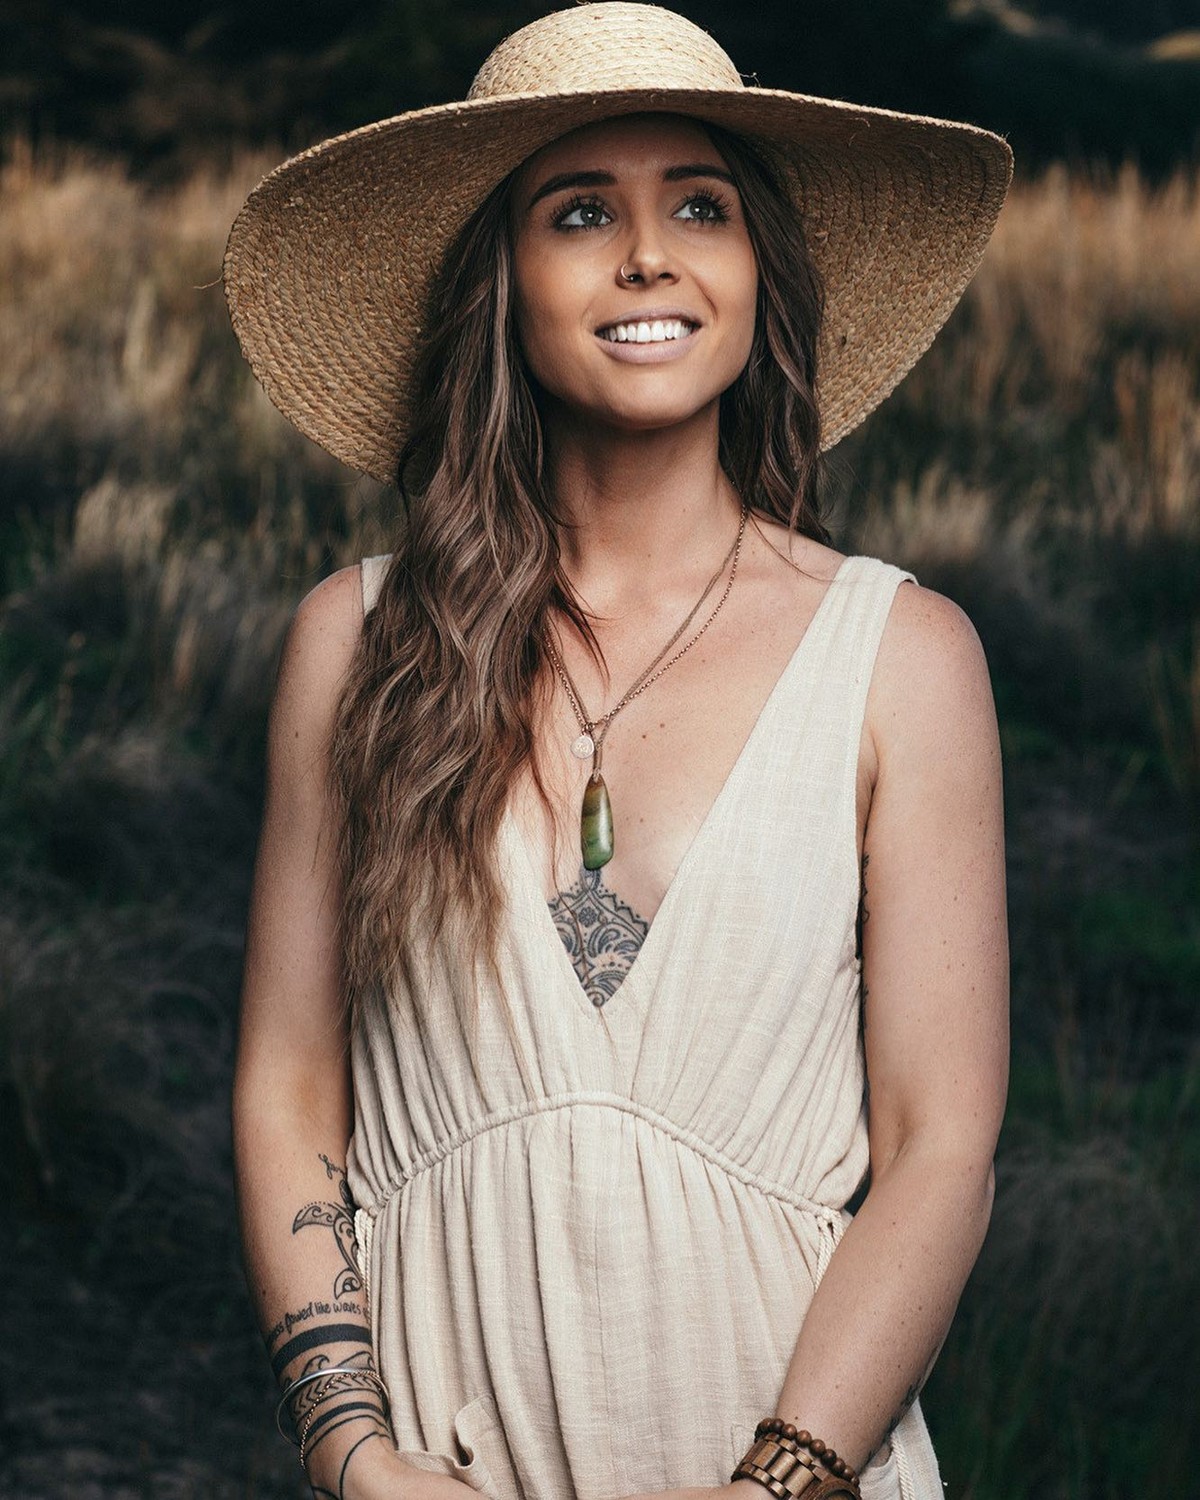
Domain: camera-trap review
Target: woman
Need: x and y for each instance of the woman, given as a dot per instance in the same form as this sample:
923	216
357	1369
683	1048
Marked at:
552	1083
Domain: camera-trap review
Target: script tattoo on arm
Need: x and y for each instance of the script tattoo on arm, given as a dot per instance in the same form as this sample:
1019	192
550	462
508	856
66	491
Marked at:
330	1335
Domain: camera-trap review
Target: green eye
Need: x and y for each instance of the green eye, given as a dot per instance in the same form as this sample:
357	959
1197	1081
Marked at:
574	206
717	209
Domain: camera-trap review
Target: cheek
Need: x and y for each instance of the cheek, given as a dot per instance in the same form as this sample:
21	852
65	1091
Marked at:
749	279
750	316
539	316
745	278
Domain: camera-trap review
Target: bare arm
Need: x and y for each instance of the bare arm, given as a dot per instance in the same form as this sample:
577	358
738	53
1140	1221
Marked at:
292	1099
935	971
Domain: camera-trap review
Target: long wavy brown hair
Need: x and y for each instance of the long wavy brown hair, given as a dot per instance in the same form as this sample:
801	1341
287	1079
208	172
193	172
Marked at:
449	678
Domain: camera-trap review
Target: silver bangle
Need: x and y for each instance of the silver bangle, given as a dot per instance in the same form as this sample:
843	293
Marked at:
308	1421
300	1380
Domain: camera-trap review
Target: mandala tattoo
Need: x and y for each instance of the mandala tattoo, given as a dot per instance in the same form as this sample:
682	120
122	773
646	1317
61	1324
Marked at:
601	934
340	1218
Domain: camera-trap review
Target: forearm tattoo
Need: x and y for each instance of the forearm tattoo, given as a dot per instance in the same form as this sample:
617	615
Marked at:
340	1218
906	1401
601	933
910	1396
319	1336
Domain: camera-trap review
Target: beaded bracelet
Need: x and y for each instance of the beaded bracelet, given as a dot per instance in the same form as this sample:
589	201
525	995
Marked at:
780	1450
826	1456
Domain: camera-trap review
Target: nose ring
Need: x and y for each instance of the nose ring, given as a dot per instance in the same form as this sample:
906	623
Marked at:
625	275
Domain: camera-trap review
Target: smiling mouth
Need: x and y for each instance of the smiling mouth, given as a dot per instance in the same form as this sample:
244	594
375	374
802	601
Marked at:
656	331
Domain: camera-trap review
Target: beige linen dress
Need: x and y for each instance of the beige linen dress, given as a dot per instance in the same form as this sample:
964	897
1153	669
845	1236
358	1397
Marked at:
592	1288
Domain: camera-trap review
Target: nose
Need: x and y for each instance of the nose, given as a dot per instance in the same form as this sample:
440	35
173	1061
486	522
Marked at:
638	271
645	261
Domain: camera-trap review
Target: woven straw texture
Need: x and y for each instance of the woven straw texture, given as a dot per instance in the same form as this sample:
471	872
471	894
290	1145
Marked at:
331	257
592	1285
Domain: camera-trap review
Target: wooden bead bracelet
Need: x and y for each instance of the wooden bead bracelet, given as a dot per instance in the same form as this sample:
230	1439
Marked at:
780	1450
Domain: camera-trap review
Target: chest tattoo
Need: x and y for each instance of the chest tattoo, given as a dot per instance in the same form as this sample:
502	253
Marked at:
602	935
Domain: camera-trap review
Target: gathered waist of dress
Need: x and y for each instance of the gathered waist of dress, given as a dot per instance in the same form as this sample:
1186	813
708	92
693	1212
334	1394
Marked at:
599	1099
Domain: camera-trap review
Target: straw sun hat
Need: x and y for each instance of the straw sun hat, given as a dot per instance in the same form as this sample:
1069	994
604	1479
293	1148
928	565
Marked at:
331	257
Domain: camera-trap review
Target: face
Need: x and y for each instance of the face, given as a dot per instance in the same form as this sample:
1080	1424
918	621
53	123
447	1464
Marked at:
651	194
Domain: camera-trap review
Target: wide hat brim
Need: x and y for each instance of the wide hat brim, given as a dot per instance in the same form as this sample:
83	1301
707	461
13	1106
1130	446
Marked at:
330	260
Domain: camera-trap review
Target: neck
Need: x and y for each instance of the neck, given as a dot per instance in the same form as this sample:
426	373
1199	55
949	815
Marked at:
646	513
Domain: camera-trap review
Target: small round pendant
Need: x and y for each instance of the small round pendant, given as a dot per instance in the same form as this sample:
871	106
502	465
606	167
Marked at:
583	747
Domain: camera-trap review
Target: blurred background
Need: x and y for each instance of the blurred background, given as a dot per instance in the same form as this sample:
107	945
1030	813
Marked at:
159	522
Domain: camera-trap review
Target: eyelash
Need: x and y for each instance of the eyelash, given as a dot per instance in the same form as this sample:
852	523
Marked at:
720	204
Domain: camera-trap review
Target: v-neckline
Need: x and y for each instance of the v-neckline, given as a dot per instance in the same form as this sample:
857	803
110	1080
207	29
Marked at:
624	996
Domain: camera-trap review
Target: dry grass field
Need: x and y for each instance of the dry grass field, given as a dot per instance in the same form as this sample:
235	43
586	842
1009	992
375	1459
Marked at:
158	523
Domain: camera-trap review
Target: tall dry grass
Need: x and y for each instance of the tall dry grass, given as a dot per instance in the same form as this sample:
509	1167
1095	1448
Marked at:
159	520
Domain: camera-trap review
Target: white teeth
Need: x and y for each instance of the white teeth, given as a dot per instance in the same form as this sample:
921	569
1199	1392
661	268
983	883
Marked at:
647	333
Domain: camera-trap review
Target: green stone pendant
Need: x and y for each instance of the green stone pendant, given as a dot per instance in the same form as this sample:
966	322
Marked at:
596	825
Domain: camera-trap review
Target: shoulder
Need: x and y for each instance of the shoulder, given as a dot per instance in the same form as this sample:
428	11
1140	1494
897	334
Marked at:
931	687
810	559
326	624
318	648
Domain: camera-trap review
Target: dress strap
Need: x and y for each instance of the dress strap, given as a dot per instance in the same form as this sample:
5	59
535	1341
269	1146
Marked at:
835	693
867	608
372	570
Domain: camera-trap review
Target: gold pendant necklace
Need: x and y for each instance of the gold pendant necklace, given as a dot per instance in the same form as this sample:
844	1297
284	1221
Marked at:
596	818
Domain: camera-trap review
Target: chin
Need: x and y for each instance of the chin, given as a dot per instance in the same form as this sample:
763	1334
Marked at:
650	421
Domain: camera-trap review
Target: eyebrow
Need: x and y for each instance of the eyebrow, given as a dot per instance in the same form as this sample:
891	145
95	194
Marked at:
605	179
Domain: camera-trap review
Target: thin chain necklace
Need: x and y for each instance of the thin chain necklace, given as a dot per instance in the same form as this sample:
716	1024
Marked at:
596	818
